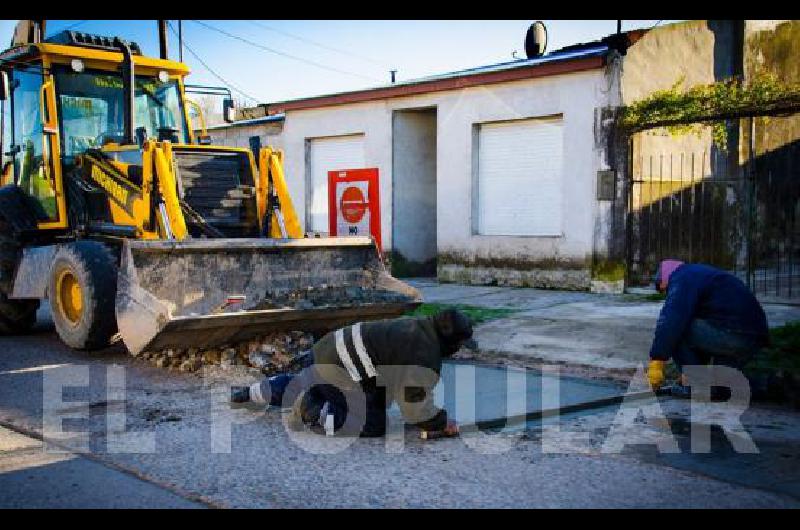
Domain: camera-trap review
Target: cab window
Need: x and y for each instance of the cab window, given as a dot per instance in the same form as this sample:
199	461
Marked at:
30	171
93	110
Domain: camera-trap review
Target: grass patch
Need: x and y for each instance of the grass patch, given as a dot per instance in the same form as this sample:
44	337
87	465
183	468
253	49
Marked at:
652	297
783	354
478	315
655	297
608	271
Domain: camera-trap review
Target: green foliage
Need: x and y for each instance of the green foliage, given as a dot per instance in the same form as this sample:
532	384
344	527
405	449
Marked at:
655	297
478	315
783	354
682	111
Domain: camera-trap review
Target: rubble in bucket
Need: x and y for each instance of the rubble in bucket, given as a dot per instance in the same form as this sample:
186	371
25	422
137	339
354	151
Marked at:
270	354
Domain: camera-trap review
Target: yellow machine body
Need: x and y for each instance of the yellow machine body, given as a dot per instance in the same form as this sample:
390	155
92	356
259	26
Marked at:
195	227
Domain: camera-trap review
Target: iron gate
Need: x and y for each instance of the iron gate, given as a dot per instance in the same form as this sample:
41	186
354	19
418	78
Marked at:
699	207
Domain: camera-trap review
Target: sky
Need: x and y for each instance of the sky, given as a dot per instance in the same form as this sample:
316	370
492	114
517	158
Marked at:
275	60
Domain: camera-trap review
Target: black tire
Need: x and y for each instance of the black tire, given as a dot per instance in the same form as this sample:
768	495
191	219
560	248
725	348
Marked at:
93	267
16	316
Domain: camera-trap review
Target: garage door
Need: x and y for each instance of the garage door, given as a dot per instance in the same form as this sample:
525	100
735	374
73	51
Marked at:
520	180
328	154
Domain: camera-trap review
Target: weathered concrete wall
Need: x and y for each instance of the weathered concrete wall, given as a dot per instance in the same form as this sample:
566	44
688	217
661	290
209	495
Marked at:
608	247
239	136
773	47
414	188
696	52
667	165
705	51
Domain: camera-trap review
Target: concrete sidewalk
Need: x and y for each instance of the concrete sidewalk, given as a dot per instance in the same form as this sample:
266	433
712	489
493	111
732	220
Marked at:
597	330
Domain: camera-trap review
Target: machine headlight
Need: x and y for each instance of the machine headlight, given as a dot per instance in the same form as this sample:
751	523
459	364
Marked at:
77	65
163	76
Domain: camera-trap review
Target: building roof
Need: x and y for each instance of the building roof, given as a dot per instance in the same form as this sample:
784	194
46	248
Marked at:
574	58
559	62
589	51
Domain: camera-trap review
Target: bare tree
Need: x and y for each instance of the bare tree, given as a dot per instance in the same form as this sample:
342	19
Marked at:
210	106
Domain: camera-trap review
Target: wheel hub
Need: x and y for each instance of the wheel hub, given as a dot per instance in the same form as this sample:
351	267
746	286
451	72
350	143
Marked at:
70	297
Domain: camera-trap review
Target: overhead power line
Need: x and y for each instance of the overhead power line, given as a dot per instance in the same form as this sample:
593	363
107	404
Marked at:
277	52
75	25
315	43
211	70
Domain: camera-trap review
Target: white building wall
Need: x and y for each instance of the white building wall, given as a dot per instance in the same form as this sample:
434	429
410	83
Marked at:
573	96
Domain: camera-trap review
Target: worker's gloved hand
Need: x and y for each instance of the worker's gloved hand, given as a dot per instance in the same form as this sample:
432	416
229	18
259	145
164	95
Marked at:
450	430
655	373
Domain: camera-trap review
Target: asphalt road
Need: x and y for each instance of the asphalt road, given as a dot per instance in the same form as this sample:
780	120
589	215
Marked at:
31	477
182	456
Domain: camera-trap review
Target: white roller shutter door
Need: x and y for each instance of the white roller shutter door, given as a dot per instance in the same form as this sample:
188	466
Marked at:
328	154
520	178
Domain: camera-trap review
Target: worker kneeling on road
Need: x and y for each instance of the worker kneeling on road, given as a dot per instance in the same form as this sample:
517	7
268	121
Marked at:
709	316
378	363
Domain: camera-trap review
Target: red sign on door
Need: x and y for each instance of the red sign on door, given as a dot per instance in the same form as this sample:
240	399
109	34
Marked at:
353	203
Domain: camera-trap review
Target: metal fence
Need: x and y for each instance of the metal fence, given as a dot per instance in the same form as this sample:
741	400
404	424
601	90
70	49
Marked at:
699	207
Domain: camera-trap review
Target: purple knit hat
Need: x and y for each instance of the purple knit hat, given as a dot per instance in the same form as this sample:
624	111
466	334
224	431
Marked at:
665	270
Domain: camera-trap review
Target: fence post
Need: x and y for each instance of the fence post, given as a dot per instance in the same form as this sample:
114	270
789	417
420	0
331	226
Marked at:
751	190
629	214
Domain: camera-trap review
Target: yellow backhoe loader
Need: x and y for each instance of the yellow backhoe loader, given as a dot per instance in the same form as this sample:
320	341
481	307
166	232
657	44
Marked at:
113	209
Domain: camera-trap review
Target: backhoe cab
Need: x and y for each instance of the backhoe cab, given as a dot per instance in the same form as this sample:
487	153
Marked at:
111	205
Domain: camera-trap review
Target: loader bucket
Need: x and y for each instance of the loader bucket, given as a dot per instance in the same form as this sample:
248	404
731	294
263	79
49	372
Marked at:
209	292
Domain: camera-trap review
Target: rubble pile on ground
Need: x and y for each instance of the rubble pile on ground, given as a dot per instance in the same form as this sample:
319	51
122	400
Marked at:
324	295
270	354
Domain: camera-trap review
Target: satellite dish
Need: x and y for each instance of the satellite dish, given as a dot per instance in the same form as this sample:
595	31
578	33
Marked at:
536	40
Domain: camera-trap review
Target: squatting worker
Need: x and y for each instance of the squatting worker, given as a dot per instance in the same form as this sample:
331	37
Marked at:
395	360
709	316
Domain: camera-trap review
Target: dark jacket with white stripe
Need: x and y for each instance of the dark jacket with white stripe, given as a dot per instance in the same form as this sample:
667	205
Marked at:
401	344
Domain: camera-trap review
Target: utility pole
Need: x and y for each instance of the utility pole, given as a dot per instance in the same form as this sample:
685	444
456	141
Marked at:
162	39
41	25
619	26
180	41
393	72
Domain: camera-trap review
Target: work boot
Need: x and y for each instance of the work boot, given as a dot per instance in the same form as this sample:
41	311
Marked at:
240	394
677	390
718	393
